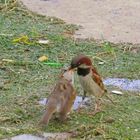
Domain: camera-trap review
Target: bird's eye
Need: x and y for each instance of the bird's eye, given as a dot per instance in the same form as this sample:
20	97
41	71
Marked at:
63	70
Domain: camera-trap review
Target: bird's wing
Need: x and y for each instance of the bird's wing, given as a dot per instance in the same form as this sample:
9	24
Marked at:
97	78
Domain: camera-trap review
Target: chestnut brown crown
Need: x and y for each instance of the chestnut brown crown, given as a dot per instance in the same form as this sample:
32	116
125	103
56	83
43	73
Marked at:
79	60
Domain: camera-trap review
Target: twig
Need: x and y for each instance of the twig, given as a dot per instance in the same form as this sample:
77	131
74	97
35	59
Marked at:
137	111
96	57
6	34
5	3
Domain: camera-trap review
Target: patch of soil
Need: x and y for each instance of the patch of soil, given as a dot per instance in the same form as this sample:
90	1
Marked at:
115	21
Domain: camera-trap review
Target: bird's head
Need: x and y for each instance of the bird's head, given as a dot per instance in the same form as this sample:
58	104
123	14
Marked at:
67	74
80	61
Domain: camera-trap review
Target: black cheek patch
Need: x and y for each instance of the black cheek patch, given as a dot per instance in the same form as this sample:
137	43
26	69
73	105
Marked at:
83	71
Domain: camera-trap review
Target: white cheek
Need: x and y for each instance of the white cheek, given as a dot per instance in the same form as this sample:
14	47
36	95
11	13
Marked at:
84	66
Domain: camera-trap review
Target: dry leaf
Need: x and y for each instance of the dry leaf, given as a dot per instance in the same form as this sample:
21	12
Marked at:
101	63
23	39
43	58
43	41
7	60
117	92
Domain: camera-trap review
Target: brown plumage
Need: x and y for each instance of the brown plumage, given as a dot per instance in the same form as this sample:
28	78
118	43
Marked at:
97	78
61	99
89	78
86	69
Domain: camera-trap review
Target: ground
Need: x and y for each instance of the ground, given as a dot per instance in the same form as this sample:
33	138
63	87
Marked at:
112	20
24	80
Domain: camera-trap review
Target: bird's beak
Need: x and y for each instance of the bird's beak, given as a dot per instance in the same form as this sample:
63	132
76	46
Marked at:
72	69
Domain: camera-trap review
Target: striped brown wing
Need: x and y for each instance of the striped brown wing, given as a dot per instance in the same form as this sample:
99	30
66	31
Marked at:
97	78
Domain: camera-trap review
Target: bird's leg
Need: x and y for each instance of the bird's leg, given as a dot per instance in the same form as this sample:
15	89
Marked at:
97	107
83	98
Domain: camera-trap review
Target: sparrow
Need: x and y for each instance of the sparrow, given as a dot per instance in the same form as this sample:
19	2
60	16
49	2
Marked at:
89	78
61	98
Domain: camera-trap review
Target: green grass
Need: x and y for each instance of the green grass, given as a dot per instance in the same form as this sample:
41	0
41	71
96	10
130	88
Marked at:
25	81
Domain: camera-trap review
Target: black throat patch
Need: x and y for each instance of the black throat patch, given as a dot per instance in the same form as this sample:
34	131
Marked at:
83	71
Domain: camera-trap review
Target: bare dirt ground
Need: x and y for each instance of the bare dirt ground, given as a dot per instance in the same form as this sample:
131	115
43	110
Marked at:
111	20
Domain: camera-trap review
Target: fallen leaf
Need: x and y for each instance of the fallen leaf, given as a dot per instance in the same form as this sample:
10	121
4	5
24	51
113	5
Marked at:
43	58
43	41
101	63
23	39
117	92
7	60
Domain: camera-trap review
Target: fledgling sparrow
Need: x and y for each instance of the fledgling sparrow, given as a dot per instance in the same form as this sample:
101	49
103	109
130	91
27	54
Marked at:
61	99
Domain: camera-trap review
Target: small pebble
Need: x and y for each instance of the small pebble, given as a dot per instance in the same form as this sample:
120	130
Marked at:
43	41
117	92
101	63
